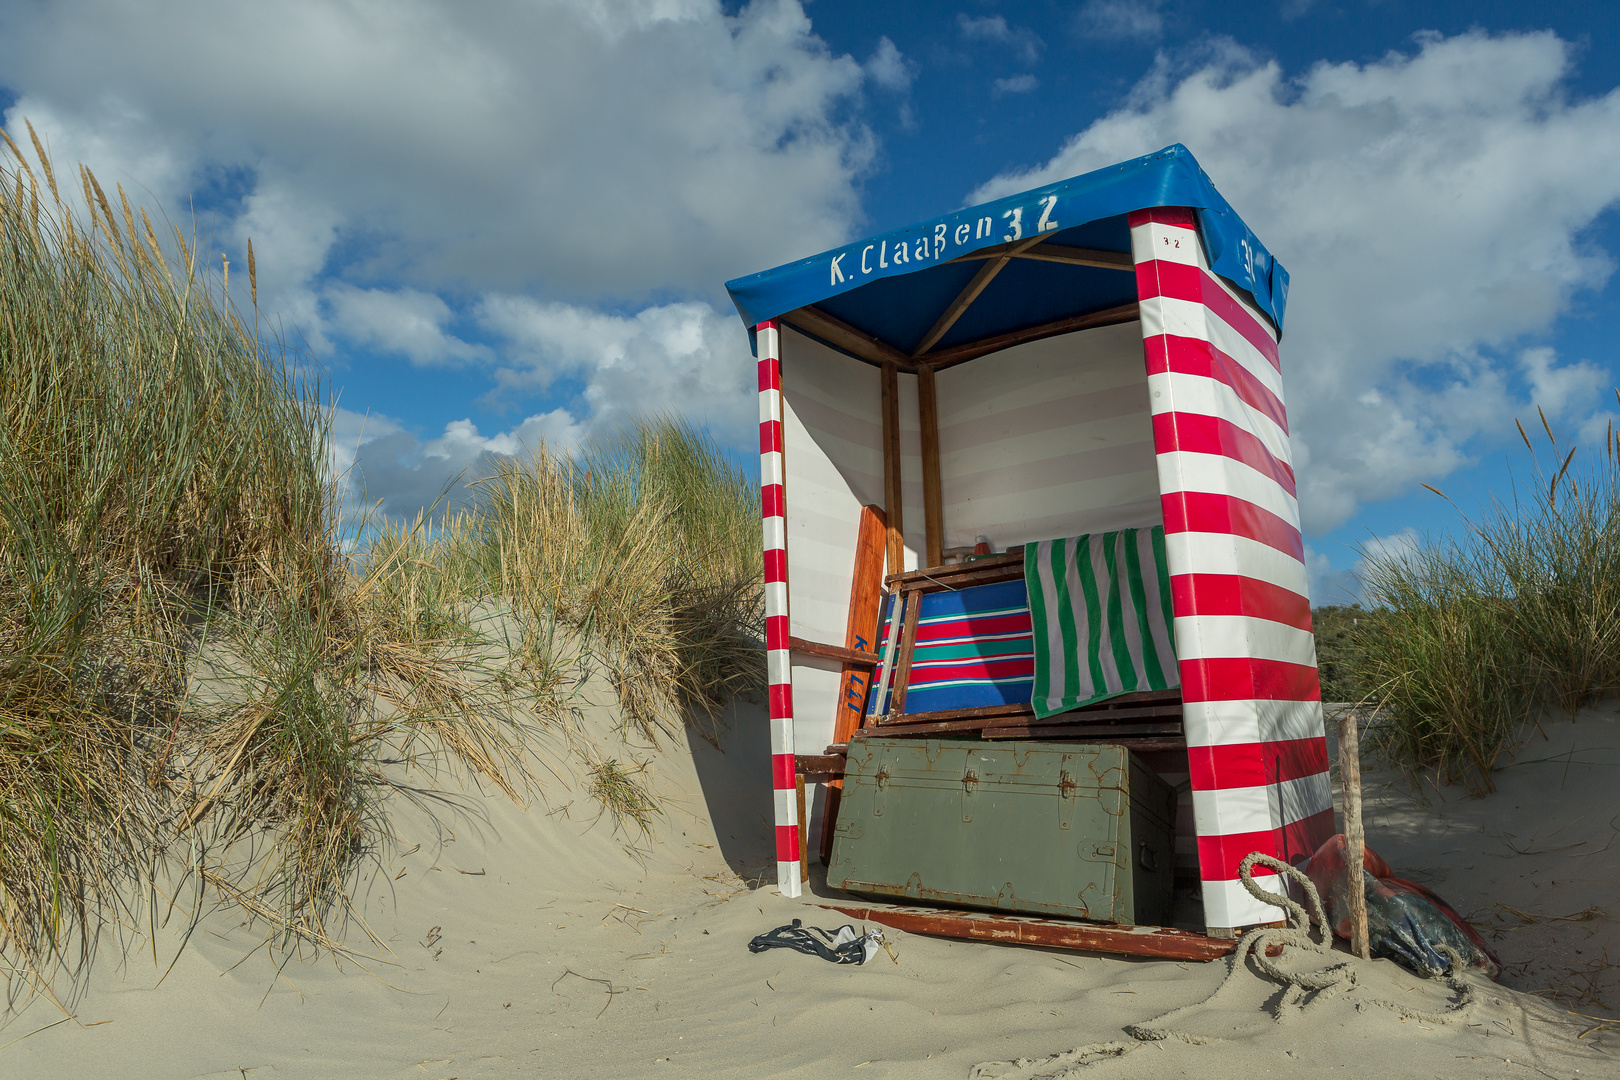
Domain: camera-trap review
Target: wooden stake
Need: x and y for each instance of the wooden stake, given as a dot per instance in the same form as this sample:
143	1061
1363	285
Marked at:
1355	841
891	468
804	832
933	512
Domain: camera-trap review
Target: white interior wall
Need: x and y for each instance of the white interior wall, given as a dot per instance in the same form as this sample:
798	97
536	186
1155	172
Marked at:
1049	439
832	433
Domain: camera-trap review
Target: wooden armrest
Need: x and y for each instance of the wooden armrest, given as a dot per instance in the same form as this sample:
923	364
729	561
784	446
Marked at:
833	652
819	764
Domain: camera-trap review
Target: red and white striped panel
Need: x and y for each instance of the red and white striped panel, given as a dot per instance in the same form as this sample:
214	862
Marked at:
1253	710
779	671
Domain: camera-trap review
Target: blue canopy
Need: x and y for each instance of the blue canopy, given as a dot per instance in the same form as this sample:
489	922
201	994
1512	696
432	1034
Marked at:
1059	252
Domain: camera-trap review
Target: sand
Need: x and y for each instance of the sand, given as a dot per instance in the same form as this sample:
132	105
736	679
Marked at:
542	941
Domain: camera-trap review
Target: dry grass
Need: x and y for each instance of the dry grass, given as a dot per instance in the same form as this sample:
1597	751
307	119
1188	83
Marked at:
196	681
162	487
1477	636
642	548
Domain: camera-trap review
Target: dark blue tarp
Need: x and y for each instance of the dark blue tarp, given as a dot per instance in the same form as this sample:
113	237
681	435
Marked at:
894	286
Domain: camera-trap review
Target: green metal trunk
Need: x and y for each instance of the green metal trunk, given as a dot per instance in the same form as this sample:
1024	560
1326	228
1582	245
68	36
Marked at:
1039	828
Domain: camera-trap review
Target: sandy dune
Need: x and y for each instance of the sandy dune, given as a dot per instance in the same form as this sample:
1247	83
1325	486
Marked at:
539	942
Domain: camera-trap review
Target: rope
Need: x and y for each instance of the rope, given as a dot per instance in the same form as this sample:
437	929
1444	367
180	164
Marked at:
1321	985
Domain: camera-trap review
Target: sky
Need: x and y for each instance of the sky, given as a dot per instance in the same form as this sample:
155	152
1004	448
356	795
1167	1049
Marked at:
491	224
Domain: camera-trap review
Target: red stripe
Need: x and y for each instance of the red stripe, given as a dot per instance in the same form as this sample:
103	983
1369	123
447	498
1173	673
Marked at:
768	324
781	699
783	768
1184	216
1204	511
776	632
971	627
787	843
1220	856
1190	356
1238	765
1178	281
772	501
1304	836
1197	433
1241	678
770	437
770	373
1232	594
775	565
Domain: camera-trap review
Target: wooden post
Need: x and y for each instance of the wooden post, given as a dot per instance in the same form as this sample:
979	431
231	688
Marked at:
891	468
804	832
928	417
902	662
1355	841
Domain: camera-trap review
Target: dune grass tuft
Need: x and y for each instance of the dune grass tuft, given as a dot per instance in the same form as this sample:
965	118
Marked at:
163	493
1518	617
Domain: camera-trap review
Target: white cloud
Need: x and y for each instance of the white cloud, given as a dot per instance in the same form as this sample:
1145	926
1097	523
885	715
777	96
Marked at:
1431	209
577	148
405	322
1121	19
888	68
386	467
680	358
1017	84
1559	390
416	176
994	28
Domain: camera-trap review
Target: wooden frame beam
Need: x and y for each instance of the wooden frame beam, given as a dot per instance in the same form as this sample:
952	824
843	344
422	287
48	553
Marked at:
1051	933
1078	256
1062	253
933	510
835	331
892	493
970	293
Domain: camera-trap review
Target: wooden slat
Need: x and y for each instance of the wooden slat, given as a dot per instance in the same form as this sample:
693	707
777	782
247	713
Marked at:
860	630
958	575
853	657
902	662
804	832
820	764
1167	713
944	722
1138	697
1102	732
833	330
933	508
1082	737
971	350
1165	942
892	487
1075	256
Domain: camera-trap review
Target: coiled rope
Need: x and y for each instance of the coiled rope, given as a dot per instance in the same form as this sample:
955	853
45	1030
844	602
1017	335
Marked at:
1303	990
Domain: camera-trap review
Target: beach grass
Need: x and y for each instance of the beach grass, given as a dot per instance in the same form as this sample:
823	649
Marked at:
207	668
164	492
1516	617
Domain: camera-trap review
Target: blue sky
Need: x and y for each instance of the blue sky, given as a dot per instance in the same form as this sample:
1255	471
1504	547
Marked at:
501	222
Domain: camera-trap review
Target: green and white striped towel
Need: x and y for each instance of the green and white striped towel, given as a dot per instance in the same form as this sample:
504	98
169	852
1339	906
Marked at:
1100	610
